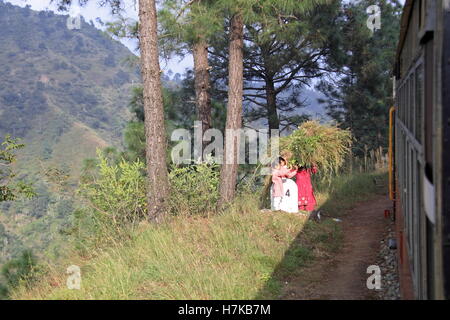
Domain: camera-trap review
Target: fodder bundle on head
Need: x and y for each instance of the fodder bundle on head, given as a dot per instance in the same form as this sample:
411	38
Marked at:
325	146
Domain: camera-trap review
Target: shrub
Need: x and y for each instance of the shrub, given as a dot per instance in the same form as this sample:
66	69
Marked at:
22	270
194	189
115	196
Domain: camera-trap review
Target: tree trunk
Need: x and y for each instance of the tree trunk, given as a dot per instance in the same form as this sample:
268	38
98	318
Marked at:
155	134
272	116
228	174
202	84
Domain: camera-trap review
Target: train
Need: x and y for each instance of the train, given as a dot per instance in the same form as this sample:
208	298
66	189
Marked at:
420	150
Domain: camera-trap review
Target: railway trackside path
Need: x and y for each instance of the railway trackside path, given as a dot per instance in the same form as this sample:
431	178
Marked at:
343	276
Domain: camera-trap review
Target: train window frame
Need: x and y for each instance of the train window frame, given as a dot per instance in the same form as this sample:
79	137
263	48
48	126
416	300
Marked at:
421	15
405	111
412	103
407	96
416	211
400	94
400	103
420	102
408	198
405	103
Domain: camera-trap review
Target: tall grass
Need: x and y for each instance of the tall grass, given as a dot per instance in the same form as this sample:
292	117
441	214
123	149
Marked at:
346	190
239	254
228	256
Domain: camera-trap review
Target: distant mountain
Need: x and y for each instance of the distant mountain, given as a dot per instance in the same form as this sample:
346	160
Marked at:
65	92
311	108
47	68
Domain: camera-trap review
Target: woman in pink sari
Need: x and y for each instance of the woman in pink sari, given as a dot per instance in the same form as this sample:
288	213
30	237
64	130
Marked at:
280	171
306	199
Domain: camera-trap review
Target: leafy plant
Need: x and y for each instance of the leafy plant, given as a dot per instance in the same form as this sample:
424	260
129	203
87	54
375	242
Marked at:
194	188
17	271
115	197
9	190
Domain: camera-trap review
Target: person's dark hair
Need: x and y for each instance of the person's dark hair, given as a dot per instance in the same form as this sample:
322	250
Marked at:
278	161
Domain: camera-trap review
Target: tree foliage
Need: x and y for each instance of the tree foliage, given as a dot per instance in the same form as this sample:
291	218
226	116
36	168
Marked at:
9	189
359	93
281	56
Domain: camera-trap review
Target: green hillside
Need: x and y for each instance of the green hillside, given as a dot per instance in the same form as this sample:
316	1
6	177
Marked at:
65	93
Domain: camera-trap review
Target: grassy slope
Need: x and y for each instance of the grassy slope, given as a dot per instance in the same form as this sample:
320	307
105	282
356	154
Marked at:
243	254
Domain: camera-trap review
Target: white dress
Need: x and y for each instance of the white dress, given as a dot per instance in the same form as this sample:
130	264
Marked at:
289	202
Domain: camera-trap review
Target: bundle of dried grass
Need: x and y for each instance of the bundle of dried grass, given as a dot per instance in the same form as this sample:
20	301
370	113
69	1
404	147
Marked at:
325	146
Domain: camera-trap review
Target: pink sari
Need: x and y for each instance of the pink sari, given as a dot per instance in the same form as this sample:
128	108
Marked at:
277	179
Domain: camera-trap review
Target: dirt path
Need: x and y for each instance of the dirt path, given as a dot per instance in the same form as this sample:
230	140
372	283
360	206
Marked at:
343	276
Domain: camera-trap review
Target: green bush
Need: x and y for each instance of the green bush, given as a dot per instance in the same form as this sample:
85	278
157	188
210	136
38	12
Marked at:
194	189
22	270
115	198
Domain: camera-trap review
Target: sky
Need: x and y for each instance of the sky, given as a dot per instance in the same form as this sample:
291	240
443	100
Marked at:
91	11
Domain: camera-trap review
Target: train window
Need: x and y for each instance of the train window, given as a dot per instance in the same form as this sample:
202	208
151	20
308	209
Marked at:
421	231
428	114
412	104
408	103
402	161
410	198
400	114
416	219
398	158
419	103
403	102
420	15
405	181
399	103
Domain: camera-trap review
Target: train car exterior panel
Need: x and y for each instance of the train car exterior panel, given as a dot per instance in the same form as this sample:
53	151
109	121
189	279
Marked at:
422	149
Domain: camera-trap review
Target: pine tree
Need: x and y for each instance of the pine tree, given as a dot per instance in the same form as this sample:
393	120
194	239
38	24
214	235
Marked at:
267	12
228	173
155	134
158	182
188	26
281	58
